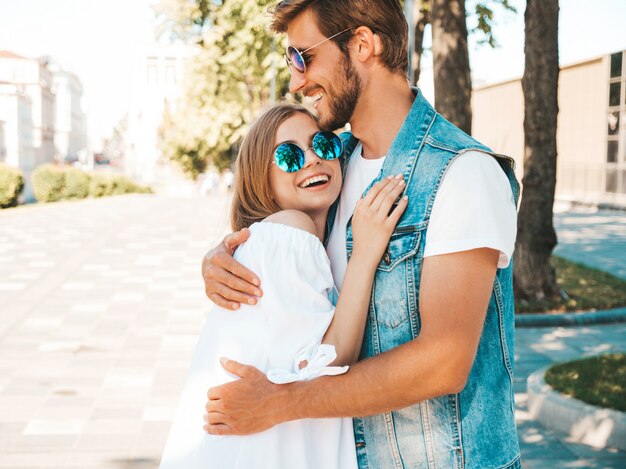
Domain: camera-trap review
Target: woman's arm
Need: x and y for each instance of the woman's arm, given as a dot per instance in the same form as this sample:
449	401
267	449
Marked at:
372	225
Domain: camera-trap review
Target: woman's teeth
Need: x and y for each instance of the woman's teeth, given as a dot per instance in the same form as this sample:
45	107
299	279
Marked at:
322	178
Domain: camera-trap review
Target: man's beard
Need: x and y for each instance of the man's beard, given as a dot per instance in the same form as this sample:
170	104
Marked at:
342	104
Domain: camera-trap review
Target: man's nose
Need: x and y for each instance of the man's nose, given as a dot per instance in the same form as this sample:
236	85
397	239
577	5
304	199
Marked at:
296	83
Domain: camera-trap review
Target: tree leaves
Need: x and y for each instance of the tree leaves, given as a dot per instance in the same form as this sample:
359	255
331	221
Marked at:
227	82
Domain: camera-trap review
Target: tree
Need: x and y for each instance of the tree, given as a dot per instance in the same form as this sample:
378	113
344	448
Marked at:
453	84
453	81
228	80
534	276
421	19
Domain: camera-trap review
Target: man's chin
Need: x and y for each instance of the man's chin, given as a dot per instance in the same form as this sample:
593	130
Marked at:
330	124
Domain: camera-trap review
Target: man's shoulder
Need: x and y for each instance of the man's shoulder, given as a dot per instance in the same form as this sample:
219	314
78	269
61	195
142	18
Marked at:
445	135
476	175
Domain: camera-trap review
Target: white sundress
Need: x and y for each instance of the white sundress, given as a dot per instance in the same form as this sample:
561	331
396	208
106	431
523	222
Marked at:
284	328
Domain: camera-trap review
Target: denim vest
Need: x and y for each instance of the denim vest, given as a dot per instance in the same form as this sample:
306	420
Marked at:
472	429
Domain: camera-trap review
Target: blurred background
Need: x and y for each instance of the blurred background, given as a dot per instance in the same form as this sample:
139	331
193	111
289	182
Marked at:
134	86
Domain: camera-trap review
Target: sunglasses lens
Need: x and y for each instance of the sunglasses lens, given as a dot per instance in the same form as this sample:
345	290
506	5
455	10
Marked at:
296	59
327	145
289	157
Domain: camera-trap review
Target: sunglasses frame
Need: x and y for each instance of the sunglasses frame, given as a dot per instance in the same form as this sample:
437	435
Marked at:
312	147
290	63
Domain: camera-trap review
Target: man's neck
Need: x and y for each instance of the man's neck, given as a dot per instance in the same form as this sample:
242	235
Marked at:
382	109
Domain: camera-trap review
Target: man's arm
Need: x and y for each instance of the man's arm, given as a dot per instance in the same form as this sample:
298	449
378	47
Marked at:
226	282
454	296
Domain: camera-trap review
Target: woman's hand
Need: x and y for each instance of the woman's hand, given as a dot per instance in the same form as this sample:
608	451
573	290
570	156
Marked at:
374	220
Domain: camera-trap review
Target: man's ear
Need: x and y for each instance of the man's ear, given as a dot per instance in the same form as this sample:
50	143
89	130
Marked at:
366	44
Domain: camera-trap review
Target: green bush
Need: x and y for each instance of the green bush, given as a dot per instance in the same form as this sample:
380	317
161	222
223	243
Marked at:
125	185
76	184
48	183
11	185
52	183
101	185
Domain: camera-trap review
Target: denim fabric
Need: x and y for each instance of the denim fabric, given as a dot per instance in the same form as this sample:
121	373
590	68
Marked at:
472	429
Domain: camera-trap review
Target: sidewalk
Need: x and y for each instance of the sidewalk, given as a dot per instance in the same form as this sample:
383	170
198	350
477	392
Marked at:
538	348
101	302
597	239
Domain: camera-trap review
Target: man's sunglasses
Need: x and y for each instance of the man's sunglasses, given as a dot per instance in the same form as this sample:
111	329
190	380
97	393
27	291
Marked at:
294	58
291	157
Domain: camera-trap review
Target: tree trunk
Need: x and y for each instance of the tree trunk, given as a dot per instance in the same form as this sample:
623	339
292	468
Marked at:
422	18
536	238
453	82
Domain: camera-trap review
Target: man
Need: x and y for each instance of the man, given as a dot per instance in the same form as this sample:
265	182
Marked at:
434	387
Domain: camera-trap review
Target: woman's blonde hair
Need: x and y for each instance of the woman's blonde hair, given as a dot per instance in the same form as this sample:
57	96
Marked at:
252	199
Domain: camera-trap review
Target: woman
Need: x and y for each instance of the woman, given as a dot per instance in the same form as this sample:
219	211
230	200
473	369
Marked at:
288	175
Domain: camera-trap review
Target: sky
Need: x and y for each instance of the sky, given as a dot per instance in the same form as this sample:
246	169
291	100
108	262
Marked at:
98	40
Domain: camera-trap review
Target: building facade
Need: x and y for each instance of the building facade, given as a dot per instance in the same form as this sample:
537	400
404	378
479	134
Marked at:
3	147
591	133
16	142
70	132
157	79
35	79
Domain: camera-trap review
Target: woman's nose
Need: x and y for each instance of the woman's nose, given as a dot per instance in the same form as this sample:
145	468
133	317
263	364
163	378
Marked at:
311	158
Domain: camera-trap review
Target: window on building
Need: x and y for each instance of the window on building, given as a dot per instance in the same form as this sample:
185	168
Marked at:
614	91
611	180
613	122
611	151
623	185
616	65
615	181
152	75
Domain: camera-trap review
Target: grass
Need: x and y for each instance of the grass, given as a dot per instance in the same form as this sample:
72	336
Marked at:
600	381
584	289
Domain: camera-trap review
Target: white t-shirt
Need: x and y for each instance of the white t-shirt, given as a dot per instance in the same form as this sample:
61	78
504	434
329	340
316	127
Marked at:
359	174
474	208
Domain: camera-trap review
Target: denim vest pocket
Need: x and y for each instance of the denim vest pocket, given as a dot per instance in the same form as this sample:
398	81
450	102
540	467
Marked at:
404	243
394	292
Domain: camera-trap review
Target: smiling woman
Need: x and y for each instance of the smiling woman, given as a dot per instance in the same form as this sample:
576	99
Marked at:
287	177
272	164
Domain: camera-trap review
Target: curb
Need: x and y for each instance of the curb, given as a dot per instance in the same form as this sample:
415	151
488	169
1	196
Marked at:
583	423
607	316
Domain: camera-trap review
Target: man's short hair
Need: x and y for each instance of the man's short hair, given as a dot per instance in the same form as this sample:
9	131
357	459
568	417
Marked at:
383	17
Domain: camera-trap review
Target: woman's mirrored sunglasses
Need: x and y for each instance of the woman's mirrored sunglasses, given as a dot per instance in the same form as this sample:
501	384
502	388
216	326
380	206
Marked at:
291	157
294	58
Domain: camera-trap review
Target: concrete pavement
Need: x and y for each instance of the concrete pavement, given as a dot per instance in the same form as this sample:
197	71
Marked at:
537	348
101	302
593	237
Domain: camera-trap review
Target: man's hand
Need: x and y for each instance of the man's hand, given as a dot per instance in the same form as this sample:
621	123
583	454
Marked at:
228	283
248	405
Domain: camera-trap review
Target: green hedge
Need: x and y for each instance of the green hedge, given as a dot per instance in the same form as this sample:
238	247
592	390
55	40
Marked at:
52	183
103	185
11	185
48	183
76	184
